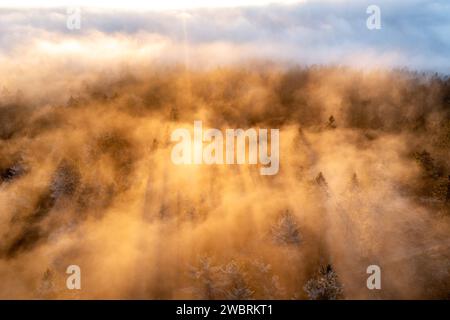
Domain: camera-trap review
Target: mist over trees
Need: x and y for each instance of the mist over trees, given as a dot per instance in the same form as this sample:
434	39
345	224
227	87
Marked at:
86	178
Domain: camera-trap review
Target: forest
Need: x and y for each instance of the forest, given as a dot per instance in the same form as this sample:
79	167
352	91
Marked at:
364	179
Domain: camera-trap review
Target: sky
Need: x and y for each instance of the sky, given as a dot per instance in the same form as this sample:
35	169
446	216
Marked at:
148	5
413	34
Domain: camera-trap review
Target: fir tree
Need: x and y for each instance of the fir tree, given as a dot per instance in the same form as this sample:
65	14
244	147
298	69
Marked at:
286	230
324	286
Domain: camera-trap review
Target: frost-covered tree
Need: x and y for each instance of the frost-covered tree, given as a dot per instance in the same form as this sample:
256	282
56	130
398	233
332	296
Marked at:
286	230
47	287
236	285
320	180
354	184
235	280
207	281
324	286
73	102
331	123
428	164
174	114
269	286
239	291
272	288
65	180
12	172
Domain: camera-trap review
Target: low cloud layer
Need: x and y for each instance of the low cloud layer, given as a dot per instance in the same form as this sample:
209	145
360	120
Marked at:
413	34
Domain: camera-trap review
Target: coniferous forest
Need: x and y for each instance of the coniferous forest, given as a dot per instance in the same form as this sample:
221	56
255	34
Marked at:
364	179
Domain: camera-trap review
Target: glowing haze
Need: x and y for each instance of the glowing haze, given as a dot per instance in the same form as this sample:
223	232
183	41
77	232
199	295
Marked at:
86	176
